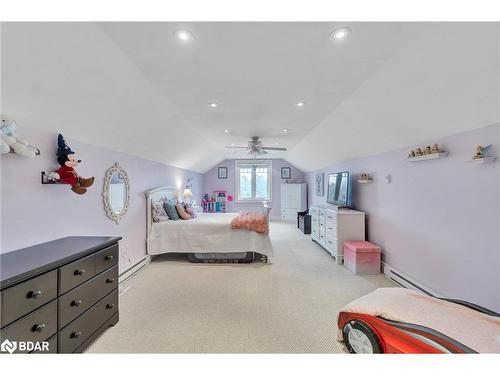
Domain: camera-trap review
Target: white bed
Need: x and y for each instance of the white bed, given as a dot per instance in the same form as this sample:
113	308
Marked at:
207	233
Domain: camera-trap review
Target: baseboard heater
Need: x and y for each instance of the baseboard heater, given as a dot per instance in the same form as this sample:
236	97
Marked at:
406	282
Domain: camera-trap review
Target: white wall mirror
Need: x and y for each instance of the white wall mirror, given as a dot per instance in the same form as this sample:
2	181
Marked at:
116	192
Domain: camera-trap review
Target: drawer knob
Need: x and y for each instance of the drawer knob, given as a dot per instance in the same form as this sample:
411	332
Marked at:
110	281
76	302
109	257
110	306
34	295
38	327
79	272
75	335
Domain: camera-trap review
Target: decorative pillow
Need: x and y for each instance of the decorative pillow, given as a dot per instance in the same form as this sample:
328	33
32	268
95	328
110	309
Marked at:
158	212
188	207
182	213
169	207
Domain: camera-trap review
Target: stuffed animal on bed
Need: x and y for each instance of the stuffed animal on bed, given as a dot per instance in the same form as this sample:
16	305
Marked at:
67	173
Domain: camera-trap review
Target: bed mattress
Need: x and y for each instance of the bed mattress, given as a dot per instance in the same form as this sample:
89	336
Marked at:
207	233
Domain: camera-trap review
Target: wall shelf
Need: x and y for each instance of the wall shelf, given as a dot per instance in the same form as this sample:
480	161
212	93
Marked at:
486	159
46	181
436	155
367	181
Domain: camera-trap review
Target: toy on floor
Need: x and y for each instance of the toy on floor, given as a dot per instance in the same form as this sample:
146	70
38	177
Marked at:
67	173
11	142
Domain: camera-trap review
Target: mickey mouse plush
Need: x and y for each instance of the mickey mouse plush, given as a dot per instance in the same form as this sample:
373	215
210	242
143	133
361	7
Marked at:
67	173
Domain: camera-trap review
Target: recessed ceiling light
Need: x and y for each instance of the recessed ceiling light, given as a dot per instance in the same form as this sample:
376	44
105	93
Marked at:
340	33
301	104
277	144
285	130
226	131
183	35
232	144
213	105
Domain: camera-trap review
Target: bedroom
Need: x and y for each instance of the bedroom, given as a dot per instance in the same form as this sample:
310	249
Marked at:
242	187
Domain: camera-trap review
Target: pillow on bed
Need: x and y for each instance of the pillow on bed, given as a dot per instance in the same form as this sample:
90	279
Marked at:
170	209
182	213
158	212
188	207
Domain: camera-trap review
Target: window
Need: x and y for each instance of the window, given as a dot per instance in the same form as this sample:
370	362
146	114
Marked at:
253	180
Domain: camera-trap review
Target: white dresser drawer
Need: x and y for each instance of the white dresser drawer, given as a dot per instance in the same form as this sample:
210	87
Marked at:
331	244
331	216
314	211
331	228
321	214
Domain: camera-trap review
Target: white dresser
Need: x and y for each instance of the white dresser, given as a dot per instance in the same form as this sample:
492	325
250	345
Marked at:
293	200
330	227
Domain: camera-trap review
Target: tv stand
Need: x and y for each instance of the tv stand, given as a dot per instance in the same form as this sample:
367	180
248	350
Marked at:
331	226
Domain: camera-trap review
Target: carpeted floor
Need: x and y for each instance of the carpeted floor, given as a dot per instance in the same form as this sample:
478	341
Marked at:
289	306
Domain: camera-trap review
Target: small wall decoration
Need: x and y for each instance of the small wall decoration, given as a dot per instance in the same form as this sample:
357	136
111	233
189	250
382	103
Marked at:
481	152
116	192
286	173
10	142
222	172
320	184
67	173
365	178
429	152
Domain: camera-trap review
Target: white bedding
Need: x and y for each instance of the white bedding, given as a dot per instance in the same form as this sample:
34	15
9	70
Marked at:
207	233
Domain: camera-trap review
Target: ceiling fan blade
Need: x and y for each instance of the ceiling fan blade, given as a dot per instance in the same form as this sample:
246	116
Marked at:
274	148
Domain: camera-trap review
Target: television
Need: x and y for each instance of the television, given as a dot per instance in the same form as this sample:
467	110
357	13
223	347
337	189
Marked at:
338	189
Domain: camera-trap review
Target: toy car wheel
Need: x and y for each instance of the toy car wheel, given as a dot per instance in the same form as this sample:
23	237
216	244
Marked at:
360	339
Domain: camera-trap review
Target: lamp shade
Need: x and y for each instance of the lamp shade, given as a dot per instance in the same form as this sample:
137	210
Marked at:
187	193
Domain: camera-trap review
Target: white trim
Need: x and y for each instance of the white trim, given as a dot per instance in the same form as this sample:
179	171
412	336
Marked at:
392	274
268	163
134	269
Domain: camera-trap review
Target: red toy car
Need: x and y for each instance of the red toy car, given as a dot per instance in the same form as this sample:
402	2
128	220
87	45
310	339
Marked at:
364	333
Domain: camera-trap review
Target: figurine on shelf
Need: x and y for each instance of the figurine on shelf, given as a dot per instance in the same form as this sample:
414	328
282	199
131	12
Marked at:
427	150
67	173
481	152
411	154
418	152
435	149
10	142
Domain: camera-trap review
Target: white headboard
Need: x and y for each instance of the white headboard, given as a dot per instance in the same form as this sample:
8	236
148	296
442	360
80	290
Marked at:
154	195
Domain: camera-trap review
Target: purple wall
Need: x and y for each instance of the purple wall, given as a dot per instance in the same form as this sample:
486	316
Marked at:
438	220
211	183
32	213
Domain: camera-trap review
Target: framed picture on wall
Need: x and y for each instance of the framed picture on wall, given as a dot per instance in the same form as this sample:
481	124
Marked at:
222	172
286	173
320	184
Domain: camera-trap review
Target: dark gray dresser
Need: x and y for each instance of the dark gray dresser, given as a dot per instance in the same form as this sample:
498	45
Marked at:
64	292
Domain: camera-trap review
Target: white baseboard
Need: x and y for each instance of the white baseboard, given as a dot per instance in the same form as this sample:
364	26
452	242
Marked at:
406	281
134	269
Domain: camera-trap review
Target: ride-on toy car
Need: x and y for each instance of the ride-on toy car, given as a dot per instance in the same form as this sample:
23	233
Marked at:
398	320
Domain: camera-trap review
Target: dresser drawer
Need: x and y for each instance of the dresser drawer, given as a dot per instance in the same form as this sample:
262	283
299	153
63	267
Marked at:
330	216
331	244
106	258
25	297
75	273
80	299
314	211
75	334
36	326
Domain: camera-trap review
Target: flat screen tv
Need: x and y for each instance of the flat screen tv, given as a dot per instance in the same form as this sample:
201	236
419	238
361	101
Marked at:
338	189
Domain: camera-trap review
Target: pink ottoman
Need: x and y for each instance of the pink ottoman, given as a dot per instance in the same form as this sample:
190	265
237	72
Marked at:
362	257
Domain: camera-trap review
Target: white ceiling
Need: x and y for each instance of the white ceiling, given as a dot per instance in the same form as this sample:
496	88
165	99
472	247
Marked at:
134	87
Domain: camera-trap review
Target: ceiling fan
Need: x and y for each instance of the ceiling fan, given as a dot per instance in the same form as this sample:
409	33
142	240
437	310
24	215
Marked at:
255	147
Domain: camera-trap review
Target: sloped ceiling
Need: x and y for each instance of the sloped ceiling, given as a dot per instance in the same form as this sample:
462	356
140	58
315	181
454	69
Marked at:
134	87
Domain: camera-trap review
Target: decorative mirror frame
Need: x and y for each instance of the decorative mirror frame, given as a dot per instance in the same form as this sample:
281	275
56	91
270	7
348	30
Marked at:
116	168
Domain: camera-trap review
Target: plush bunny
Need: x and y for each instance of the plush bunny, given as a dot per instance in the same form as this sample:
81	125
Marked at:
10	141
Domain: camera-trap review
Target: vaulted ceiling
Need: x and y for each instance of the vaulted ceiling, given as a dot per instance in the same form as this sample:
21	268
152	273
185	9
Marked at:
136	88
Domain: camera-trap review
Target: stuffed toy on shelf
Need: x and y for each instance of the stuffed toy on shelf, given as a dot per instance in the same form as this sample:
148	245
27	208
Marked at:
67	173
12	143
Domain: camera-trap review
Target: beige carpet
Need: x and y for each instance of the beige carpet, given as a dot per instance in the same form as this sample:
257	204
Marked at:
289	306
